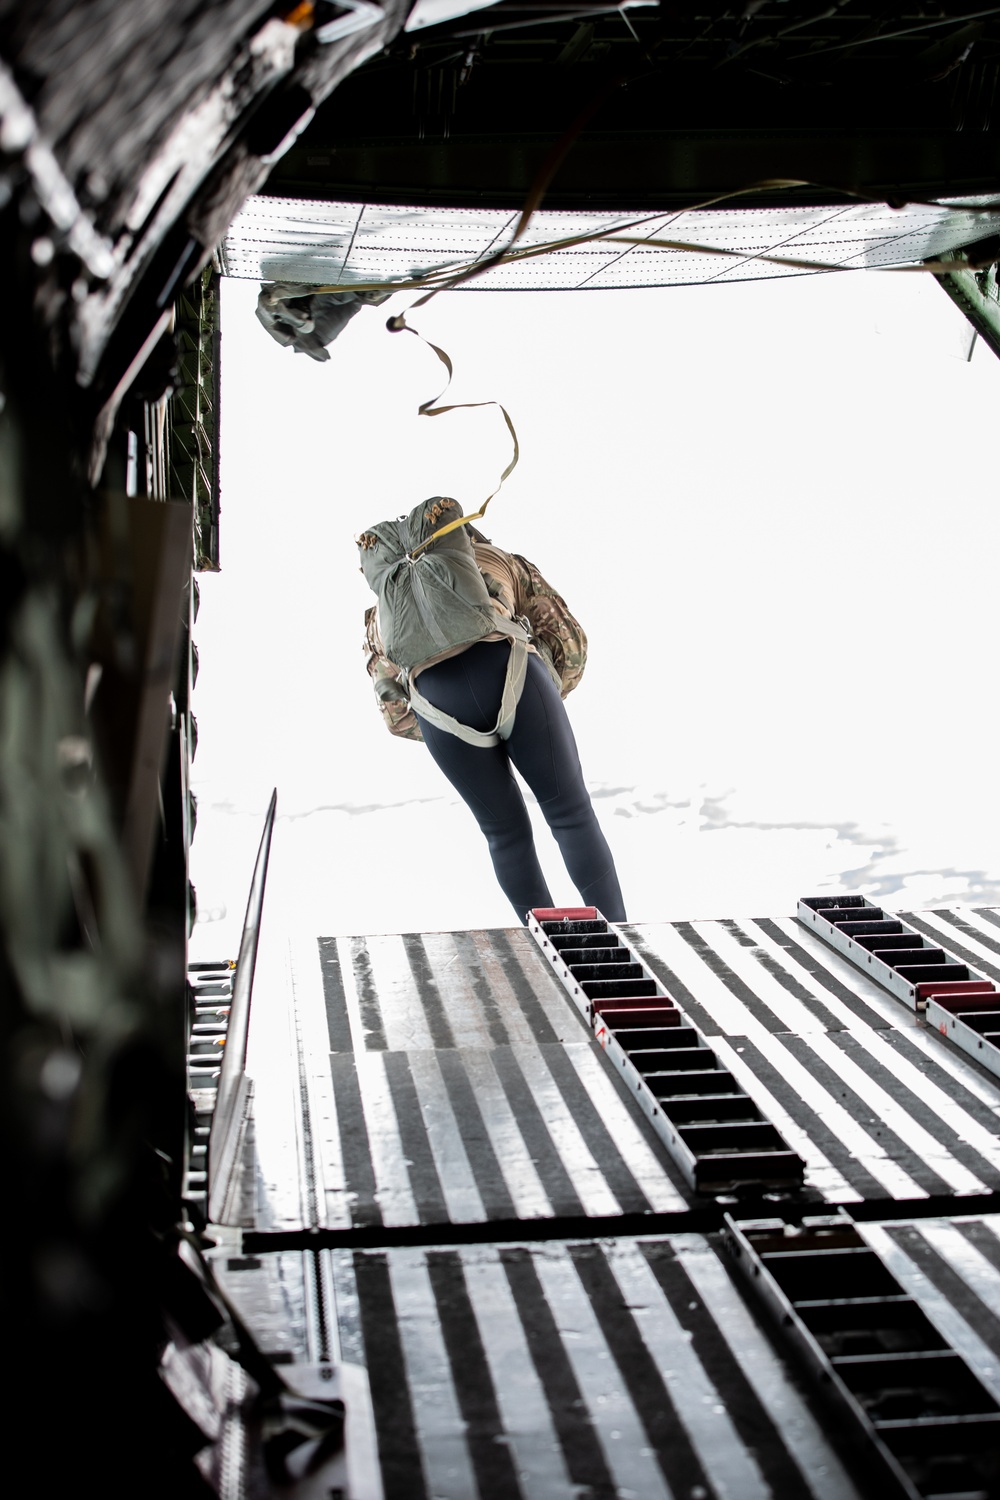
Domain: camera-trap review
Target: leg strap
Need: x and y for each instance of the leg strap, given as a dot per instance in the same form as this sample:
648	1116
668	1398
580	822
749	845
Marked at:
512	687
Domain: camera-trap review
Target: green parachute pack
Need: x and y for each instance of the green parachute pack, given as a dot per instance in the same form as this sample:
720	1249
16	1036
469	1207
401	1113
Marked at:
431	599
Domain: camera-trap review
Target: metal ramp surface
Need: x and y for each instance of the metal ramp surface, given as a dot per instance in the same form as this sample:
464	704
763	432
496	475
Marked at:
446	1079
554	1371
455	1196
625	1366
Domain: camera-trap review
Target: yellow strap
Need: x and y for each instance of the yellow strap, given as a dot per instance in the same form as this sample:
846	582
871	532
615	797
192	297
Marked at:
478	514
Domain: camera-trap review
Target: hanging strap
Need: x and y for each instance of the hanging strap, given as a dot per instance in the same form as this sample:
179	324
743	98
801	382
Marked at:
432	409
513	686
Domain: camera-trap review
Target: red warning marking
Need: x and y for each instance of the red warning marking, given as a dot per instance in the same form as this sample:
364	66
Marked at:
564	913
639	1017
929	988
978	1000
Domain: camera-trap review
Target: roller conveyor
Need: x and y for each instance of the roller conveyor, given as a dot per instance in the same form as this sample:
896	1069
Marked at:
958	1002
972	1022
712	1128
915	1406
889	951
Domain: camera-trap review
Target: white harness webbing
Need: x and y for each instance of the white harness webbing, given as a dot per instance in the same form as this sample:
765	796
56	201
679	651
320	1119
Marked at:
513	685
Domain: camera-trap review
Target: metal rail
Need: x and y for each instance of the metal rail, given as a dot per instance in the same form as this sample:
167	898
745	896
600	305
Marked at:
888	951
211	990
709	1124
972	1022
235	1089
924	1418
959	1003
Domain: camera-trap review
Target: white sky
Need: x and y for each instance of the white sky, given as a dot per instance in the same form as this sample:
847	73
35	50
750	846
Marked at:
773	507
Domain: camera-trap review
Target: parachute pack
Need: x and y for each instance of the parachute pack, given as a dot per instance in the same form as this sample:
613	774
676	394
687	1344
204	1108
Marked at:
432	598
555	633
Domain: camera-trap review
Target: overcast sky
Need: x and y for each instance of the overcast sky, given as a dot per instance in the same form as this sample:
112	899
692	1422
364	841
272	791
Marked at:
771	504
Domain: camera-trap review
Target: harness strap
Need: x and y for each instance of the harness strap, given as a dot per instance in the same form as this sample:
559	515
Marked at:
513	686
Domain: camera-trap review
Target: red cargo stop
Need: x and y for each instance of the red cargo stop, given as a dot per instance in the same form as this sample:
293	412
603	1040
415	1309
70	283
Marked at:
931	987
605	1004
564	913
962	1005
633	1020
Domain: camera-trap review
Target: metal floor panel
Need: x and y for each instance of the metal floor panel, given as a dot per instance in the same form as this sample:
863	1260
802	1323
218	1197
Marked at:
635	1366
433	1094
967	933
446	1078
551	1371
951	1267
897	1325
440	1079
872	1101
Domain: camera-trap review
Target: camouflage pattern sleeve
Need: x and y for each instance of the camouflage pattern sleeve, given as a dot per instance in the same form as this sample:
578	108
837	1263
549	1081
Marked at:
393	703
555	630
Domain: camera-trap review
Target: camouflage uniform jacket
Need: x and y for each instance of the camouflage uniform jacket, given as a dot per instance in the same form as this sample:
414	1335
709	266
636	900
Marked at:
518	588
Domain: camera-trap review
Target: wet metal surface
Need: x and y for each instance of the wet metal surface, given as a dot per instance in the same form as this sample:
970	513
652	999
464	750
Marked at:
447	1078
634	1365
631	1365
442	1079
440	1099
547	1372
856	1083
